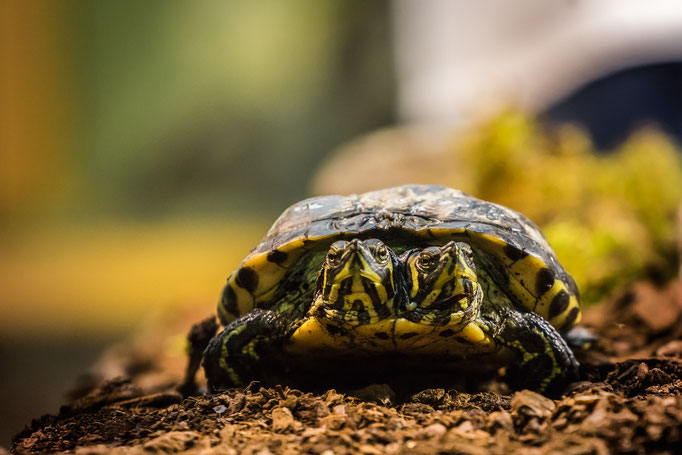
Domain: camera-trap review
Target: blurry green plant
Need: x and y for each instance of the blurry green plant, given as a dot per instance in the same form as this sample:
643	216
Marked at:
609	217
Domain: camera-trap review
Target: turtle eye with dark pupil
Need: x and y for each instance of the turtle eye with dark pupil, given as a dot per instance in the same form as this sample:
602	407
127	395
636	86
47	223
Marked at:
333	257
426	262
382	253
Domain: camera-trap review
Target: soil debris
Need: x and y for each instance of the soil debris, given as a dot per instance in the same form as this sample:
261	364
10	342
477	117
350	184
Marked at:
628	401
271	420
640	321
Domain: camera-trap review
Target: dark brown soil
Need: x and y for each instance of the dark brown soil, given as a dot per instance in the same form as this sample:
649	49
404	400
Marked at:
629	401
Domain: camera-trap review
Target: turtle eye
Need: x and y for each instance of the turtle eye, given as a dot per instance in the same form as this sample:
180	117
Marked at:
333	257
426	262
381	253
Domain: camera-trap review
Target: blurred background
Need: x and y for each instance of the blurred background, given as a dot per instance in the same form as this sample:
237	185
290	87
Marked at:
145	147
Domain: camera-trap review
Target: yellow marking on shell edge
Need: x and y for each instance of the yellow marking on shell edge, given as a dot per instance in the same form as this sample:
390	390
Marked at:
490	243
559	320
526	269
439	233
296	244
245	301
575	304
313	338
366	335
545	301
526	298
516	270
469	339
268	295
269	274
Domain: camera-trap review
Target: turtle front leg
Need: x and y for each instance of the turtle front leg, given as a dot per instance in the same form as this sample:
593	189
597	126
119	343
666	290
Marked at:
546	364
240	352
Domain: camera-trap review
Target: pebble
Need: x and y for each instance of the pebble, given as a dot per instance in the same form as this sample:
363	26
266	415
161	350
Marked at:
532	404
282	420
434	430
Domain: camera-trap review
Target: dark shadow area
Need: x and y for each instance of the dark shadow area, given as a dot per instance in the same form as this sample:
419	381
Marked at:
37	375
612	106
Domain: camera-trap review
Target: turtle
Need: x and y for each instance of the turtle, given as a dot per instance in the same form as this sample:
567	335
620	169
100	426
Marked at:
416	276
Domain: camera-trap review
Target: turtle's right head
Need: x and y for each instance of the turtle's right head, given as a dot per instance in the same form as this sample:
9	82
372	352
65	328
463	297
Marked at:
443	283
356	283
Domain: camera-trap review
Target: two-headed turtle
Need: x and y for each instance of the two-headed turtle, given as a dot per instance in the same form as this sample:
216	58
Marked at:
408	273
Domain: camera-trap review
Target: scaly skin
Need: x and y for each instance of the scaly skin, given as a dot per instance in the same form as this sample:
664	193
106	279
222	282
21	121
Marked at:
545	362
234	356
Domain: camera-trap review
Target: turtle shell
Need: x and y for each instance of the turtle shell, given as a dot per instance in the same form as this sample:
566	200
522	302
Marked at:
407	216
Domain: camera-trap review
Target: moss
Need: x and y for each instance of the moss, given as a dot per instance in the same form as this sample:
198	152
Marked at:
610	217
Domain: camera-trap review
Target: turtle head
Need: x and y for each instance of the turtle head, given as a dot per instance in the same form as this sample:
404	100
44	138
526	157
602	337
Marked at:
442	282
356	284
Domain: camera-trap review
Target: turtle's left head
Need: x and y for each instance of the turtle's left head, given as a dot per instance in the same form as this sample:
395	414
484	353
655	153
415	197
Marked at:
441	280
356	284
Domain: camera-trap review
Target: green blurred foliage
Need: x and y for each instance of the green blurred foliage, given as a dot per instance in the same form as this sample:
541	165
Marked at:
610	217
219	106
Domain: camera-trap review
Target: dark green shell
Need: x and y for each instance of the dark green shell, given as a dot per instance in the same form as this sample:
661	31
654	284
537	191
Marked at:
407	216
